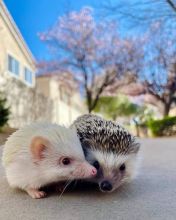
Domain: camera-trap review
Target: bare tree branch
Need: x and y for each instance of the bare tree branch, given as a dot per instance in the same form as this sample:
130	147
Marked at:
172	5
89	48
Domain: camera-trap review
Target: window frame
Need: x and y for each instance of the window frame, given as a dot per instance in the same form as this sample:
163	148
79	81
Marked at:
13	65
27	71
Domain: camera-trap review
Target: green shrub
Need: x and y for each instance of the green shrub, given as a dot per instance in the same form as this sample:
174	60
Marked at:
163	127
4	112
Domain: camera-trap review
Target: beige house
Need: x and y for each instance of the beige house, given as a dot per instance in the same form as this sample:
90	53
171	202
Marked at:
62	89
52	98
17	65
16	59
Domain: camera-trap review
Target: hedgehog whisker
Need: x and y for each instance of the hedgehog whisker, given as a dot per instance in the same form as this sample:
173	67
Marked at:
66	185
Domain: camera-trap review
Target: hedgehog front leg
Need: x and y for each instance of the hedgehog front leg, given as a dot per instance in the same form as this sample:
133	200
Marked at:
35	193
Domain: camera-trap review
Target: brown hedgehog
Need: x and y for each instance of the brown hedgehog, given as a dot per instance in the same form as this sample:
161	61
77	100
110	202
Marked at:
111	149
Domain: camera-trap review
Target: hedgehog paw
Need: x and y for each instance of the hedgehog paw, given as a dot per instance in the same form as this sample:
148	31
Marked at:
36	194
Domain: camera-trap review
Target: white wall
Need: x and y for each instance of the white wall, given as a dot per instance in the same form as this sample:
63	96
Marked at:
11	43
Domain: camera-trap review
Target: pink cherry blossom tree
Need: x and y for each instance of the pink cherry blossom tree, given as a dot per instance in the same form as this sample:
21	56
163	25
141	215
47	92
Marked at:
157	80
92	50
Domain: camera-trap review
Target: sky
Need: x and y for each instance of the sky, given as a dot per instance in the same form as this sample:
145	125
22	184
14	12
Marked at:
35	16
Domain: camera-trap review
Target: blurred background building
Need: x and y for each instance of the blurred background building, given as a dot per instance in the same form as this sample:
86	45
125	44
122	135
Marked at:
63	90
50	99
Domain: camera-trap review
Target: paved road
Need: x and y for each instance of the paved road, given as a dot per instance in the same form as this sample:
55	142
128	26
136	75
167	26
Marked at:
151	196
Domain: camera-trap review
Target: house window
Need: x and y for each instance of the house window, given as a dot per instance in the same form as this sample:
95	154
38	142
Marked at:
28	76
13	65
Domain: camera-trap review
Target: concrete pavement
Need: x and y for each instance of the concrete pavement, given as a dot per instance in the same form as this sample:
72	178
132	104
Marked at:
151	196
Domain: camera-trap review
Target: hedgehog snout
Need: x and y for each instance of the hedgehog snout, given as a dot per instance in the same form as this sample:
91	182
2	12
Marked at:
106	186
85	170
109	185
111	181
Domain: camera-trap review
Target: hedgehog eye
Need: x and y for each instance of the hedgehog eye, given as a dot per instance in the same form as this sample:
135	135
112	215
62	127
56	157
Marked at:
96	165
66	161
122	167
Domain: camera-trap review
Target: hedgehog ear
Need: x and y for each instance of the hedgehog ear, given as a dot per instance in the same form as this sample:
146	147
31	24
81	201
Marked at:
38	146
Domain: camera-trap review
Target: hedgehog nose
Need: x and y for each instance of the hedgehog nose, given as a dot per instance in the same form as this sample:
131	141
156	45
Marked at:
106	186
94	171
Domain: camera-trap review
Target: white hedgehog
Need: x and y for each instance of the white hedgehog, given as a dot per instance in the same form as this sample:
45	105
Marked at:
111	149
43	153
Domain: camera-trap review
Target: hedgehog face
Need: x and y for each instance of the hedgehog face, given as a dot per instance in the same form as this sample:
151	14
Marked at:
112	170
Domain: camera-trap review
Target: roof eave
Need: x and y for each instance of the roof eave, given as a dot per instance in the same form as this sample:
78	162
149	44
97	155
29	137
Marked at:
16	34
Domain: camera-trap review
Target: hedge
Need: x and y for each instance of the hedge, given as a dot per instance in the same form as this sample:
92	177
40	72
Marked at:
163	127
